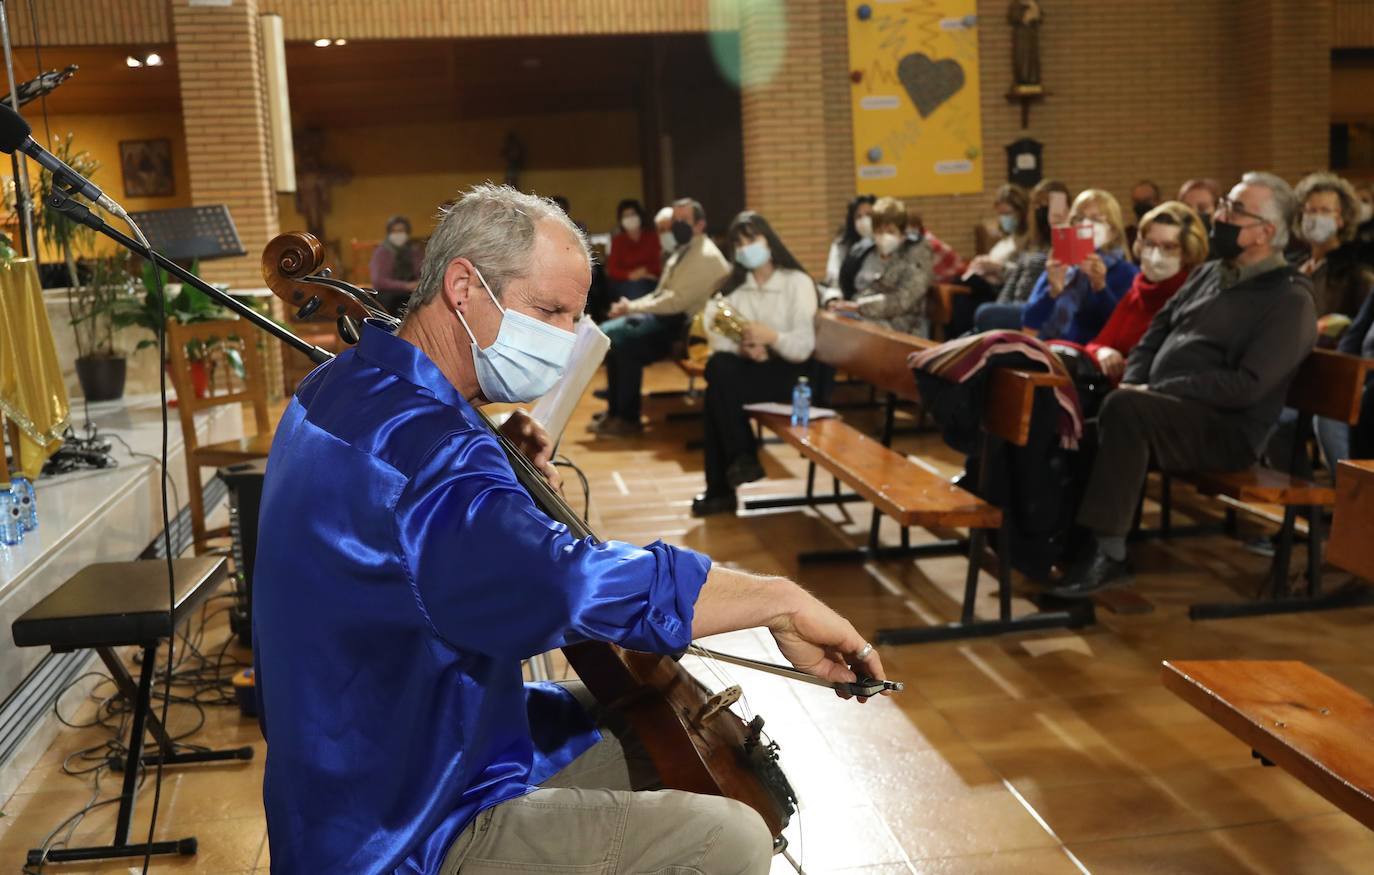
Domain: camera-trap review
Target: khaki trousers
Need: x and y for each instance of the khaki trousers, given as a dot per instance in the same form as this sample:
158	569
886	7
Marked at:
595	818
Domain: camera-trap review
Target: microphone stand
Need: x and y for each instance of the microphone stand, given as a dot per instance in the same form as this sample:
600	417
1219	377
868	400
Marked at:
62	201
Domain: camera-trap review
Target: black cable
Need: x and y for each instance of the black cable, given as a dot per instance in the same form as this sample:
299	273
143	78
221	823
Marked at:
565	462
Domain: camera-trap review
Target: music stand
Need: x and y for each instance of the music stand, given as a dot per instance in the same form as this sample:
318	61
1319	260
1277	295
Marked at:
192	233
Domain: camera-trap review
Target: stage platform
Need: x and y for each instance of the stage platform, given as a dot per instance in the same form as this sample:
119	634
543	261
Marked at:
107	515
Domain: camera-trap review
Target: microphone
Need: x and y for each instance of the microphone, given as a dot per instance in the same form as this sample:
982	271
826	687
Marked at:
15	133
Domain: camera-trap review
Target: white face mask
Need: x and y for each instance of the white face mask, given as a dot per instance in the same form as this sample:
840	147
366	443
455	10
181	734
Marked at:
1366	211
1157	266
1102	234
864	225
666	241
630	223
1317	228
525	360
888	243
398	238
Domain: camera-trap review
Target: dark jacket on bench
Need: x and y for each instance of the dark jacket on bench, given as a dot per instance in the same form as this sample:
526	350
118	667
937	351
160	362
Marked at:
1231	342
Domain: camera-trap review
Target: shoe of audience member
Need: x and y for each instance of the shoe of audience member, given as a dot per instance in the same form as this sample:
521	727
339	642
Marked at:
1264	545
1098	573
745	469
597	418
614	426
707	504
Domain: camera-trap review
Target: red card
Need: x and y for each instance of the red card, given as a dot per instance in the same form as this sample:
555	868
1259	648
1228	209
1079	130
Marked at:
1072	243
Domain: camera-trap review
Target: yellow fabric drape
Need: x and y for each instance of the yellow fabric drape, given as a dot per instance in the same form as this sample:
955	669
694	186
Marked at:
32	392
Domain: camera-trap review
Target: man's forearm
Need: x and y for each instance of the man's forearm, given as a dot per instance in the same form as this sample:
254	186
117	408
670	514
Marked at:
733	600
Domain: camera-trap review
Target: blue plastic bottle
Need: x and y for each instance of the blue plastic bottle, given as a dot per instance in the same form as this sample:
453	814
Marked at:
22	488
801	402
11	521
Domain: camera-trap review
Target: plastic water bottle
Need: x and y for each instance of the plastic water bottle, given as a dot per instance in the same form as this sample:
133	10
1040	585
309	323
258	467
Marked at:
22	487
801	402
11	519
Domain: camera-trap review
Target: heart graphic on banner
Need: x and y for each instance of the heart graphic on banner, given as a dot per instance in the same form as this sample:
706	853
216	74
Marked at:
929	83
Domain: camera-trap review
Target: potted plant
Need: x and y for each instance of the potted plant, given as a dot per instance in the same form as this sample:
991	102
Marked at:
95	286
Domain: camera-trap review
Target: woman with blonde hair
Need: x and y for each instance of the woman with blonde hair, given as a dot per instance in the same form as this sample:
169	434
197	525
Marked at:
1073	303
1172	241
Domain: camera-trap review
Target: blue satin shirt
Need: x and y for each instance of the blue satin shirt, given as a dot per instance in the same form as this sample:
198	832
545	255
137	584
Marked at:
402	575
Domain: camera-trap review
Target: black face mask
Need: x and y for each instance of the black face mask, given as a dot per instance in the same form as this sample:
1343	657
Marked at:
682	232
1206	222
1224	240
1042	221
1141	208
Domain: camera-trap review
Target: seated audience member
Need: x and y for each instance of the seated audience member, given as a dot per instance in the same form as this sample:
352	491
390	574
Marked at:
946	265
1025	267
1205	385
1364	232
1145	196
1202	195
667	243
1172	241
985	273
395	265
1073	303
775	297
858	225
1328	218
634	262
1339	440
642	331
894	276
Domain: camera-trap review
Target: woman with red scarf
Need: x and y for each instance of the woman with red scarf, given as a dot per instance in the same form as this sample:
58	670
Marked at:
1172	241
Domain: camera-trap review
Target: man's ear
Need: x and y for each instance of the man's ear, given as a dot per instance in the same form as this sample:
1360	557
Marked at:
459	280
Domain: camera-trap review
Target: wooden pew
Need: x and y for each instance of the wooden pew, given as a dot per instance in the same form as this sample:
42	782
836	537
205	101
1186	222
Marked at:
1327	384
940	306
1291	716
908	492
1352	546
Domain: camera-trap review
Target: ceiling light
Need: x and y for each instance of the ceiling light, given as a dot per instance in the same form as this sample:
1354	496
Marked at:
133	62
153	59
321	43
340	42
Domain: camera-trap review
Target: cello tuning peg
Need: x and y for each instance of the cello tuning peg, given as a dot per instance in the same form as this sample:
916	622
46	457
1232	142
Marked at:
308	308
348	330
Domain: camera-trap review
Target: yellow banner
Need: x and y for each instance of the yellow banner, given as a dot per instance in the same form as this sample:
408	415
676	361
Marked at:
918	129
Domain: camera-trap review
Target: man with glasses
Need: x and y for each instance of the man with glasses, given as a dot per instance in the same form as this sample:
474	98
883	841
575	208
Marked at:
1204	387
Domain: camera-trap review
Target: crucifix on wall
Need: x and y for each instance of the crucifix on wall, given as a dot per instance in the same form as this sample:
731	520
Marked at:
1025	17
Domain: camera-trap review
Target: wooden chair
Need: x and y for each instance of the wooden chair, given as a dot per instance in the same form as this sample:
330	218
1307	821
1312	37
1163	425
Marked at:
1351	547
252	390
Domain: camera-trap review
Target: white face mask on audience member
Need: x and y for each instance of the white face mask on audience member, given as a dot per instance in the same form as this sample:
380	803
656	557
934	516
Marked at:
1318	228
864	225
888	242
667	241
1157	265
1102	234
630	222
1366	211
398	238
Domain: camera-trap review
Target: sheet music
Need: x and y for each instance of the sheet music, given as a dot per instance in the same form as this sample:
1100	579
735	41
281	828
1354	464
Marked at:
556	407
786	409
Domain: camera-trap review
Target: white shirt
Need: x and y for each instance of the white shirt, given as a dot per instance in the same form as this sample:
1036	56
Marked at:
786	303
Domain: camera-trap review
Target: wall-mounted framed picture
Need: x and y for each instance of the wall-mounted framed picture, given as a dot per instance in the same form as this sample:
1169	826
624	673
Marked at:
147	167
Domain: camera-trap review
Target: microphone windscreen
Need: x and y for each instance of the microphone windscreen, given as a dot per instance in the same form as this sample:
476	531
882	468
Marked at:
13	129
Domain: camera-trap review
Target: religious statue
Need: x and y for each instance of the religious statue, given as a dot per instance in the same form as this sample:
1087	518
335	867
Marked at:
1025	18
314	179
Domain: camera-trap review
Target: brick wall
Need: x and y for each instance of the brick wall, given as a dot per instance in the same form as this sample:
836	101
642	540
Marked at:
1352	24
91	22
225	115
1166	90
393	19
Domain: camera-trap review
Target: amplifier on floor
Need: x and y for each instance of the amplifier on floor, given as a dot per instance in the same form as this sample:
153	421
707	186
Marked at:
245	500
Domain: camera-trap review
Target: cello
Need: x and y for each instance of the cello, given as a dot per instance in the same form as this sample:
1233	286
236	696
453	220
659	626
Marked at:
697	743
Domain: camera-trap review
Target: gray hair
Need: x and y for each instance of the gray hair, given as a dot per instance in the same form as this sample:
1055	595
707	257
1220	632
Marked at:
494	227
1314	183
1281	207
663	215
698	211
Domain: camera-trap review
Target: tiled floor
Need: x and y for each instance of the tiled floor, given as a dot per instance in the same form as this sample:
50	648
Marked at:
1053	753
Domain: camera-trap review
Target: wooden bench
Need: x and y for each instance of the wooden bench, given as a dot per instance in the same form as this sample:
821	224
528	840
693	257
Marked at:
907	492
1291	716
940	306
1352	548
1328	384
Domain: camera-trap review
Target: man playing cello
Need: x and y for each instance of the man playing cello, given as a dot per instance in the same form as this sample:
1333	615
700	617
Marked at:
403	573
